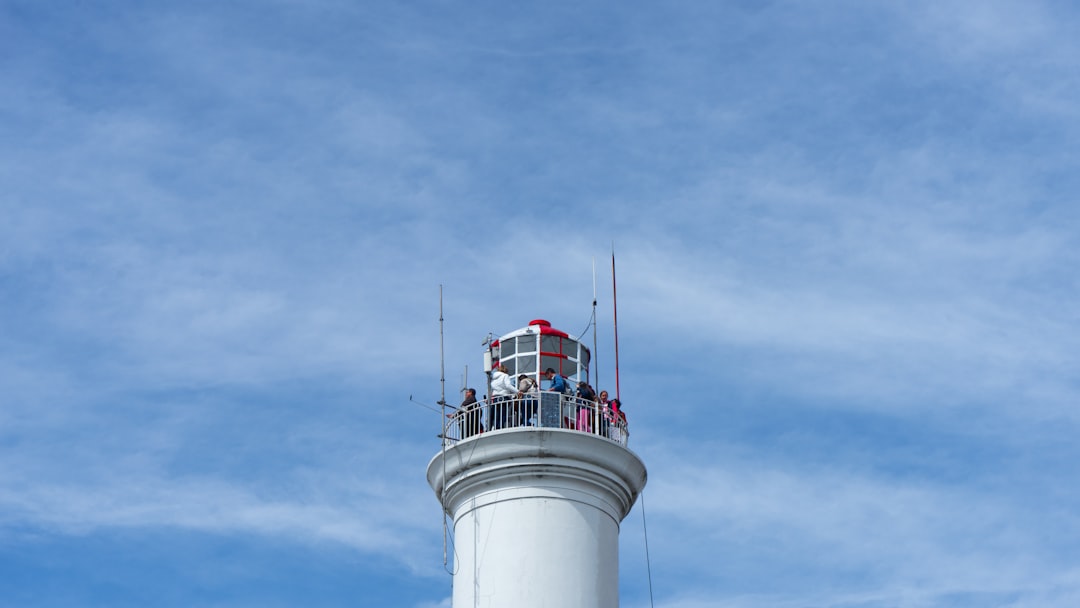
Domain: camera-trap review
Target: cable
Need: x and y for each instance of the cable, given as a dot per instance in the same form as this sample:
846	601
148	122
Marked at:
453	546
592	320
648	562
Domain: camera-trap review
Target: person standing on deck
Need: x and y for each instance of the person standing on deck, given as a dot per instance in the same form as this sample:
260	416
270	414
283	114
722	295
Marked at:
469	413
607	416
527	393
502	391
558	383
586	405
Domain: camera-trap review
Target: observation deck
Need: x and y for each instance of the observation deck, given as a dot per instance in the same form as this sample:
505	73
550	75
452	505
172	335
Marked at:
533	411
518	363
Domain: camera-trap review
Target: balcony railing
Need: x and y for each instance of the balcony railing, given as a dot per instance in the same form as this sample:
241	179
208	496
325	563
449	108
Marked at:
535	410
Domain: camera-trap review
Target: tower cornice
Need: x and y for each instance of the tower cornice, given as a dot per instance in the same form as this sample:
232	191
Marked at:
521	462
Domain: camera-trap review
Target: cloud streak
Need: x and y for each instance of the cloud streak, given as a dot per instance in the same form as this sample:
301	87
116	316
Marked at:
846	240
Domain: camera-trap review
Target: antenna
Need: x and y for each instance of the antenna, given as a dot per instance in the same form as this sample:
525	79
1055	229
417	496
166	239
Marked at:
443	419
423	405
615	306
596	364
442	358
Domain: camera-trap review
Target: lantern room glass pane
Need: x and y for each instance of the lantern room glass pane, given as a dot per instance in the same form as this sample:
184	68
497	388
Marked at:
570	349
550	344
555	363
526	344
570	368
526	365
507	347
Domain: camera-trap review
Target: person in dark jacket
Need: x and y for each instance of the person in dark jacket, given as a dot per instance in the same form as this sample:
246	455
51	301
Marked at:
586	406
470	414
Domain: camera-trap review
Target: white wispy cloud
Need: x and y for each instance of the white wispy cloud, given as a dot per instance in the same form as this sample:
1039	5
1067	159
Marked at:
846	238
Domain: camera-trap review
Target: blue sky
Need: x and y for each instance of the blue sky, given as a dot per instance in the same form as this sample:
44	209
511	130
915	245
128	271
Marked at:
847	239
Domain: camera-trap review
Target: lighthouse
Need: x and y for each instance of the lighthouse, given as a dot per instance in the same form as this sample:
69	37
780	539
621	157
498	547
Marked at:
536	482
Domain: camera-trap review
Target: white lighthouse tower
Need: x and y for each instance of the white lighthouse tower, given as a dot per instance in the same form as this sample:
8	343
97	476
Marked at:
536	492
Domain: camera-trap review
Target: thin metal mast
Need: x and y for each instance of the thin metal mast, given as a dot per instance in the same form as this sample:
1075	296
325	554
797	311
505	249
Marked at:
442	360
596	362
615	306
444	420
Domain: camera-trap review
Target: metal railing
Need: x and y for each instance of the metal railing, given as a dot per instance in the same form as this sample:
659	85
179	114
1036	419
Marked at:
535	410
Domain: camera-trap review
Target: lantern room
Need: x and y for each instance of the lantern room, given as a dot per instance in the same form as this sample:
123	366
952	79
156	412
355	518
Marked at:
535	348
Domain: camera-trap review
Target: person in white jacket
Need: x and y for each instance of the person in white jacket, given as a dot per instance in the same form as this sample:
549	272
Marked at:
502	392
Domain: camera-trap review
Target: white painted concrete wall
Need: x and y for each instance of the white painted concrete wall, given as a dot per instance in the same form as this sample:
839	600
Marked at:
536	517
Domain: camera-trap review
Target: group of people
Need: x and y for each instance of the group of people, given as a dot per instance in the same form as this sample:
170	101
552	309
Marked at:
609	412
516	405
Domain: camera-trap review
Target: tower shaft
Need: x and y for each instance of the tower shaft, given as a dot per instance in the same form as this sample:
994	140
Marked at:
536	516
